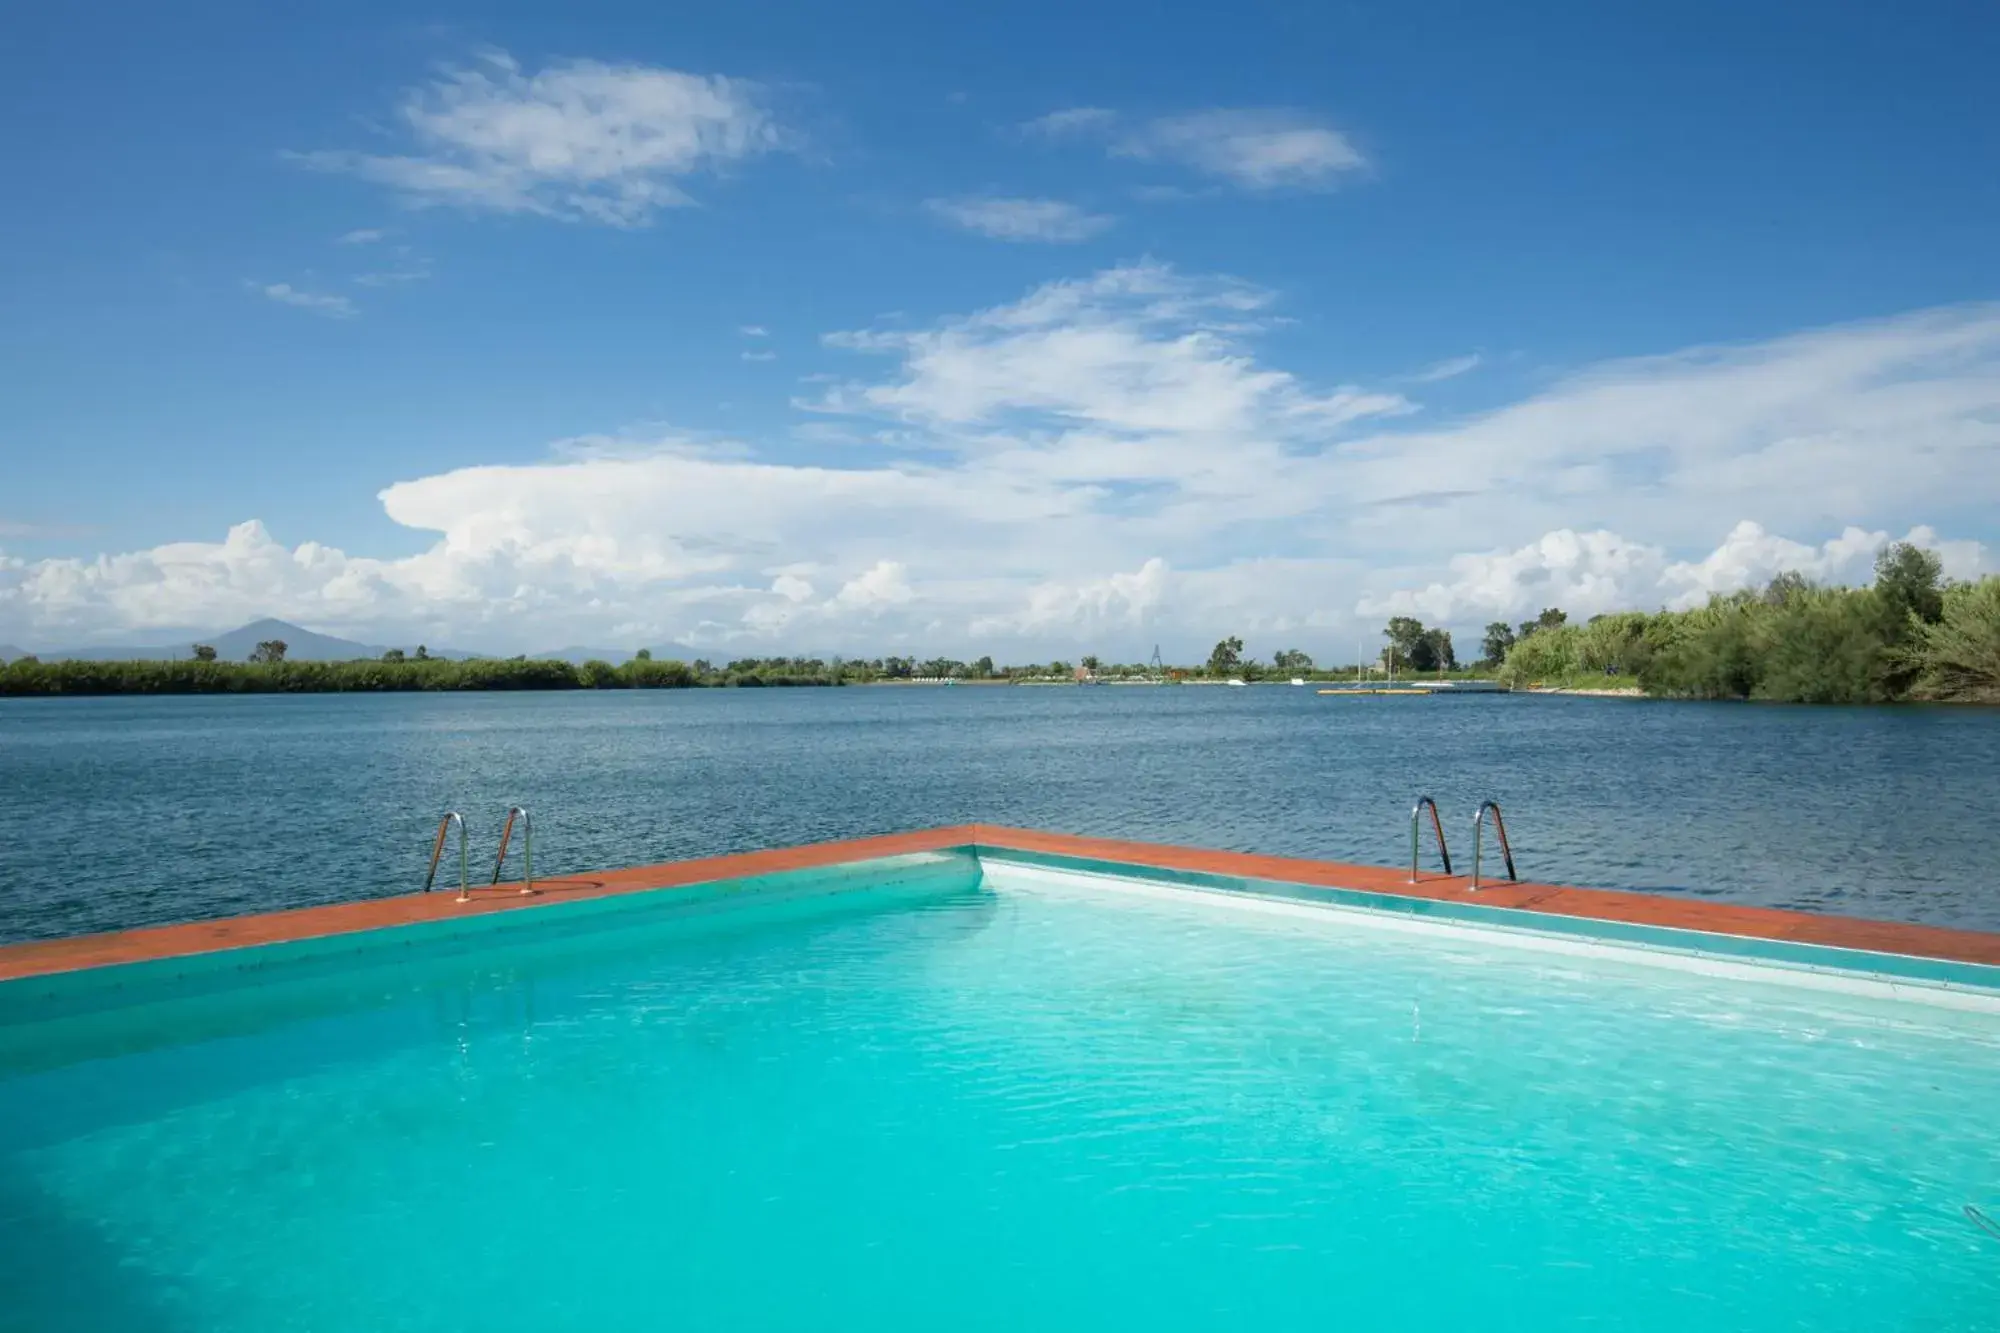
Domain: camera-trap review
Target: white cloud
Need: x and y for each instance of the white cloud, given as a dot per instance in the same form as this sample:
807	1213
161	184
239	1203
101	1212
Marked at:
1588	573
1065	607
1449	368
760	356
1111	461
1253	148
1881	421
1750	557
1005	219
754	331
1072	120
1135	350
362	236
884	583
319	303
578	140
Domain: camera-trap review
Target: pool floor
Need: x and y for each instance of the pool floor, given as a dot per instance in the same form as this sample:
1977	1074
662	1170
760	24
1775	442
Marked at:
1003	1106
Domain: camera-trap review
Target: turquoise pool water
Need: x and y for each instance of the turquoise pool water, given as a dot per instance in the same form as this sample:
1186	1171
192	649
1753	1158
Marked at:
933	1101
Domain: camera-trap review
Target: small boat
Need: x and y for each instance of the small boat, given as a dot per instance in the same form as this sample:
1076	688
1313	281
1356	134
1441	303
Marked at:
1298	680
1234	681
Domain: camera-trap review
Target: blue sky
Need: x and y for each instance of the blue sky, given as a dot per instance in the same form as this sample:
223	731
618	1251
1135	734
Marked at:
1073	327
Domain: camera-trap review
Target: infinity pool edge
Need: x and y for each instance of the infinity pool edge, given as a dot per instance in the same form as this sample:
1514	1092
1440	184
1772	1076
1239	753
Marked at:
1630	917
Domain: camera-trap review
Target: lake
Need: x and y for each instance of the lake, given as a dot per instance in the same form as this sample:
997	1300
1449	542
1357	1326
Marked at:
128	811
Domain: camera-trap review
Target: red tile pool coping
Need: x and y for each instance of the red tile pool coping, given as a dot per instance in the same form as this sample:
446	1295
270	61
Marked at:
42	958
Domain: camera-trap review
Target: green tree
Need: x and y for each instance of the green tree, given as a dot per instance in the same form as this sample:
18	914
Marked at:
1090	664
1787	586
1957	659
1550	618
1713	653
268	651
1292	660
984	666
1615	644
204	652
1228	655
597	674
1542	656
393	655
423	653
643	655
1417	648
1910	580
1823	646
1499	638
644	673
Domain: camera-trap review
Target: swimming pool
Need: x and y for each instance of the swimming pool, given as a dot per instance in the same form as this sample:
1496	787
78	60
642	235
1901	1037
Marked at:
996	1089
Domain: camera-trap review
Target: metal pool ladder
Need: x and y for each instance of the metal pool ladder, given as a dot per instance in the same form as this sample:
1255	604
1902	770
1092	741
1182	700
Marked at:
1479	839
1437	827
437	850
527	847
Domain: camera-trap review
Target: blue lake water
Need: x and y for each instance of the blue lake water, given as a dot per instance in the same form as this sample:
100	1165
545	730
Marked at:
131	811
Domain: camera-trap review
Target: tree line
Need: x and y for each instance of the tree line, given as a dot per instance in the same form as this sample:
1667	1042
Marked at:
271	673
1909	635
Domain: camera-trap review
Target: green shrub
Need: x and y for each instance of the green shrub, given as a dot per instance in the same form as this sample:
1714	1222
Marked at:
1545	655
1958	658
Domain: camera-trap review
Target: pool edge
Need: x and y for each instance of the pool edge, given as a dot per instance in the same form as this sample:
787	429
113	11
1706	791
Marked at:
1607	906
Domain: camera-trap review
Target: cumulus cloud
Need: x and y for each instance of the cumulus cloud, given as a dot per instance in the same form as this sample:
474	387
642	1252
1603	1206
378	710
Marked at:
1005	219
1118	600
1588	573
333	306
362	236
578	140
1252	148
1111	461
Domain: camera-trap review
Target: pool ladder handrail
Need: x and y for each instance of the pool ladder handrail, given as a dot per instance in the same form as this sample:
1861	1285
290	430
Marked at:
1437	826
1479	841
527	847
437	851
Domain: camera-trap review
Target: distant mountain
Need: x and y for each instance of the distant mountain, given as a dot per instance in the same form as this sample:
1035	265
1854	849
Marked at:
8	652
301	645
